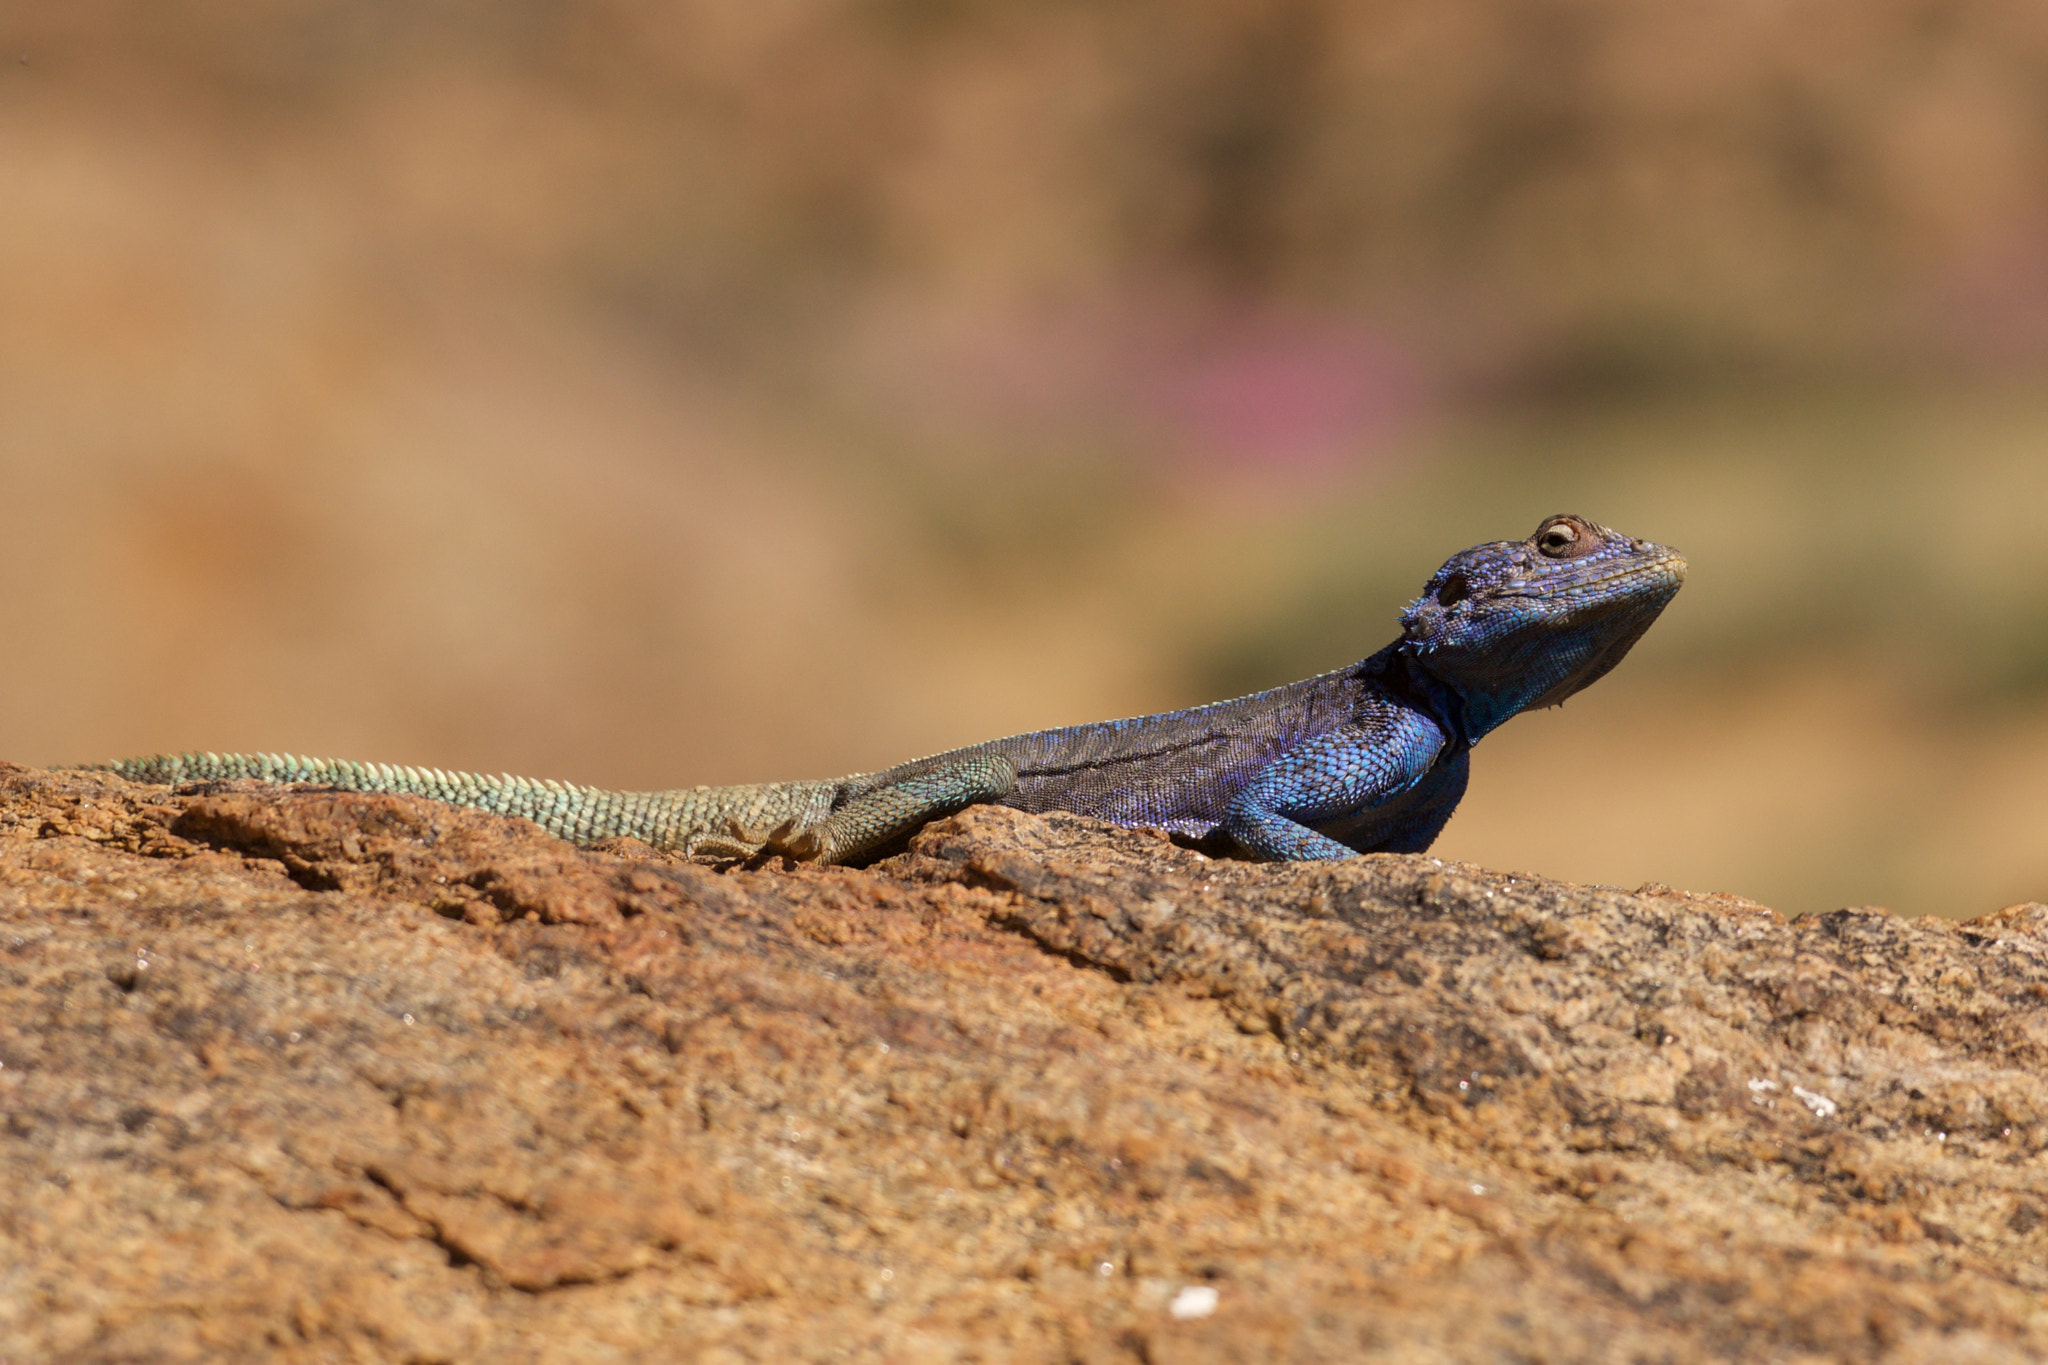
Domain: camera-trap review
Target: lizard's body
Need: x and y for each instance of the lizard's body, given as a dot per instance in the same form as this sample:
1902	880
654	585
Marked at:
1368	757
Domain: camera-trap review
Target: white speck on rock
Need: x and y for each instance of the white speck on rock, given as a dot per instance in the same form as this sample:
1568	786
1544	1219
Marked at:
1193	1301
1821	1105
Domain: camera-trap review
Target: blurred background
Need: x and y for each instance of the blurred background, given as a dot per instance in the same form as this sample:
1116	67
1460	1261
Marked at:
652	394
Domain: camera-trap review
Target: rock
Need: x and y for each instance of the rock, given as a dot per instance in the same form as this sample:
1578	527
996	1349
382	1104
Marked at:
325	1076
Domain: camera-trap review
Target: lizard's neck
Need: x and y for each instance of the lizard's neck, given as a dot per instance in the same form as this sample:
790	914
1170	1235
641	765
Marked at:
1467	713
1481	712
1396	671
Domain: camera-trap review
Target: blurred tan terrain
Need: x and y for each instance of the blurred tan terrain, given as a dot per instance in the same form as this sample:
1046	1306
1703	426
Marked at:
650	395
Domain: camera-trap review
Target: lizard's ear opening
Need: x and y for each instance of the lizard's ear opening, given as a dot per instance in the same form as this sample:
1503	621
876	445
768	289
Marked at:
1454	589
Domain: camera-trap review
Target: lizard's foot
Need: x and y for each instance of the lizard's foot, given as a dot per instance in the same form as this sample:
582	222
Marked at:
804	845
732	842
716	848
874	820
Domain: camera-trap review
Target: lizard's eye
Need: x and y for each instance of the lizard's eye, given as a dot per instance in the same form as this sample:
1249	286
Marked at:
1454	589
1557	539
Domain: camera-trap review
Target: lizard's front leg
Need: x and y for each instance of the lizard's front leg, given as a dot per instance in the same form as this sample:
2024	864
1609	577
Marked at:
1344	773
874	820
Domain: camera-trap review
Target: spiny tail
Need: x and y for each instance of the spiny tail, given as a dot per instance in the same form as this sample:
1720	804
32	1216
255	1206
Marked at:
583	815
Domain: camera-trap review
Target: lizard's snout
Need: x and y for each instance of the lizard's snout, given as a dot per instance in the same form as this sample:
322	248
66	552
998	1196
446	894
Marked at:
1668	559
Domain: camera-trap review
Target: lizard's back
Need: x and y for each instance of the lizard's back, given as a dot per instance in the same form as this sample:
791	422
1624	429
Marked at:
1175	770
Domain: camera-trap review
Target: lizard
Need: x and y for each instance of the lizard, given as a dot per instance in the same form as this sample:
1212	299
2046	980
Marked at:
1370	757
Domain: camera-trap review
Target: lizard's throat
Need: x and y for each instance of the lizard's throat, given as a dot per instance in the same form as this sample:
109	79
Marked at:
1478	705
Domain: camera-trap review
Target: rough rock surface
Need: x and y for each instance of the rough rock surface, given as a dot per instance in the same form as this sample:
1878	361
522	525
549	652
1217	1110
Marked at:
321	1076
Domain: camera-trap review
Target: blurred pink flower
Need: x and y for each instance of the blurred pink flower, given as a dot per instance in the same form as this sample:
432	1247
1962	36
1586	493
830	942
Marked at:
1199	387
1306	396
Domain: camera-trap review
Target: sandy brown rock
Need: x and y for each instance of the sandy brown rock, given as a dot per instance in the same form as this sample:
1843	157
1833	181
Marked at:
322	1076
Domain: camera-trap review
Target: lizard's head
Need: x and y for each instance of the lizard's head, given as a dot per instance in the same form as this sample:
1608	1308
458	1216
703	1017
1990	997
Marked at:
1519	623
